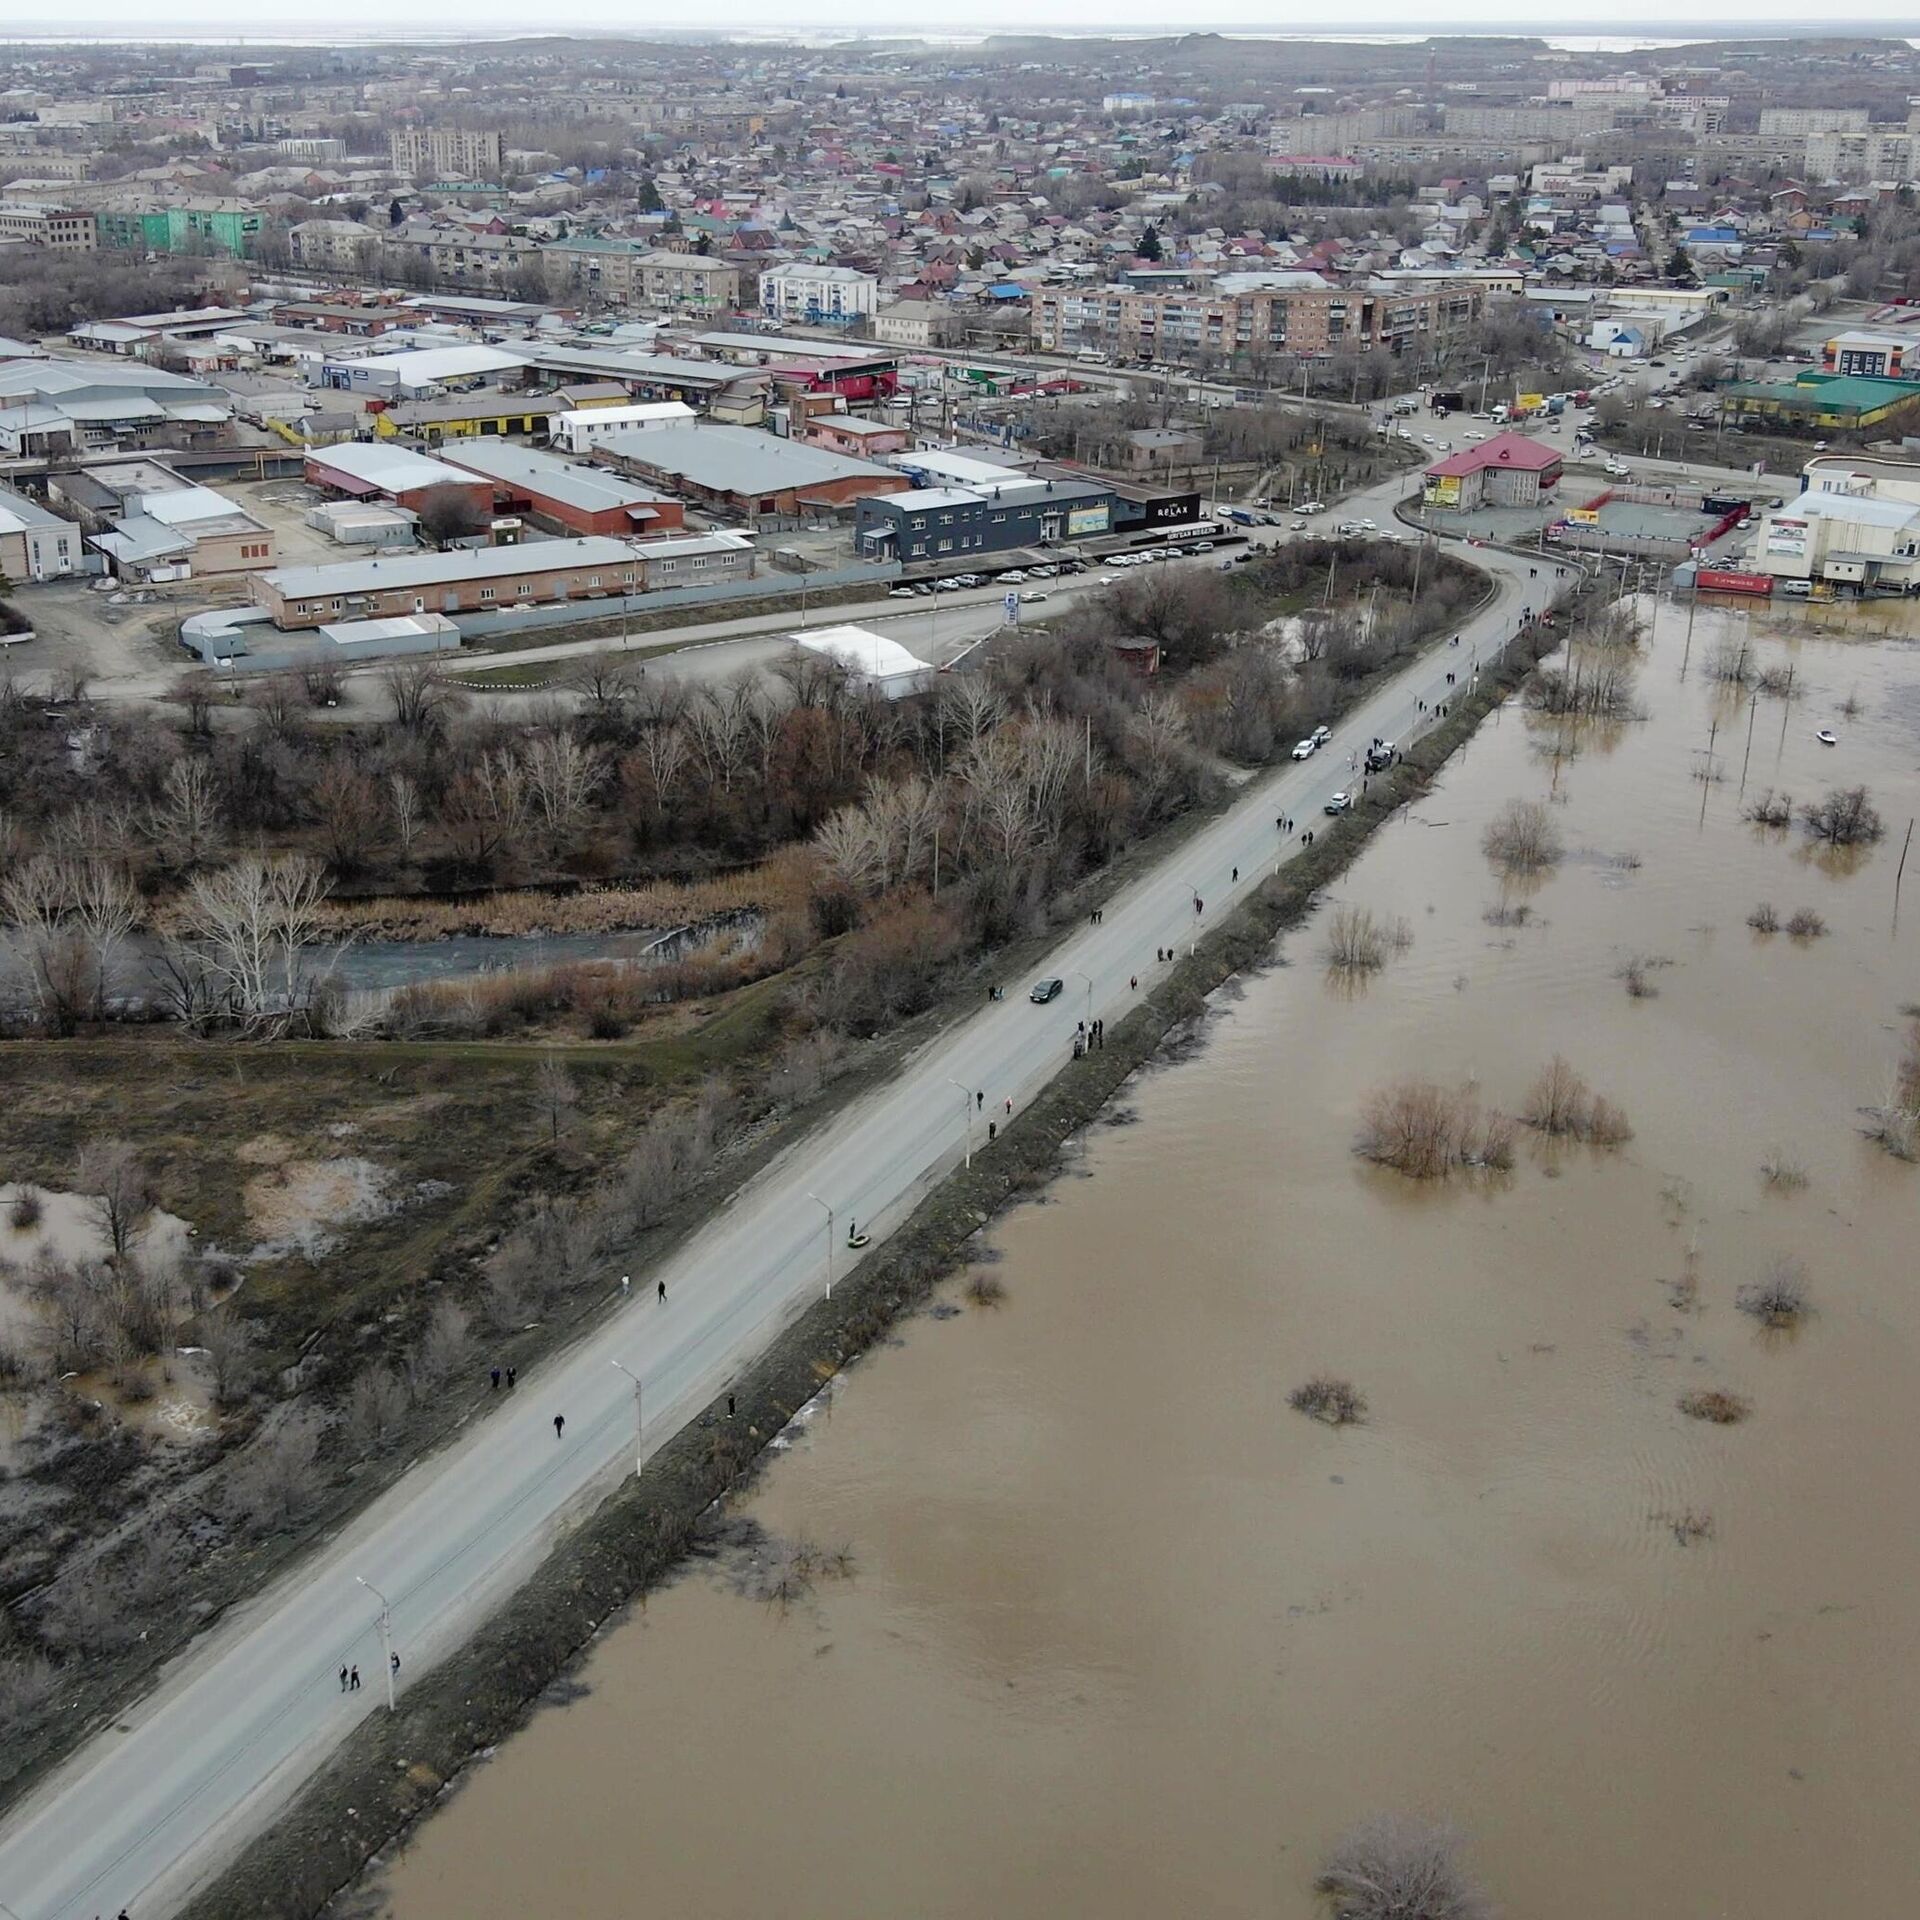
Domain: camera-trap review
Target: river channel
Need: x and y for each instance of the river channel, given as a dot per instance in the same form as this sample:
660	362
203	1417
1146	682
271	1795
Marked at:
1127	1635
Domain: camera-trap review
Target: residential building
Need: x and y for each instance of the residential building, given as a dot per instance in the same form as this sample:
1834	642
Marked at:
910	323
473	416
317	150
333	246
64	229
1251	317
34	544
688	282
818	295
447	153
1796	123
1878	153
855	434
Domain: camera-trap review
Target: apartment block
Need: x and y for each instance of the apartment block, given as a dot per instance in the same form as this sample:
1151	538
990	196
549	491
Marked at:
689	282
1252	322
1795	123
448	153
65	229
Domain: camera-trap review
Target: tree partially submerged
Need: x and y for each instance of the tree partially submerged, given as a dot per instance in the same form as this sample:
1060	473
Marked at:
1425	1130
1845	817
1562	1104
1523	838
1334	1402
1398	1867
1780	1297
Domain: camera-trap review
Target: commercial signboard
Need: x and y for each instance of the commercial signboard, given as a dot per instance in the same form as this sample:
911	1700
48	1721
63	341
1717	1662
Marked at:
1584	516
1443	489
1725	580
1530	402
1084	520
1787	538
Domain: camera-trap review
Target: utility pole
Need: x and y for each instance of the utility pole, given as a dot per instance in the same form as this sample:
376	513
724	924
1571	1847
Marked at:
639	1417
386	1634
966	1109
1753	711
818	1202
1088	978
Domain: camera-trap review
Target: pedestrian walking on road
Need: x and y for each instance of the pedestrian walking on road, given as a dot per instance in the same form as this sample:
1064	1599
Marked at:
393	1663
729	1406
496	1379
513	1375
343	1679
993	1128
1133	982
1199	905
353	1680
663	1284
1009	1109
559	1429
626	1285
980	1102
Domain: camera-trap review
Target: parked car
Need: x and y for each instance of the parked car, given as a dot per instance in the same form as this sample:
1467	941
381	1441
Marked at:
1800	589
1305	749
1299	526
923	586
1203	546
899	593
1312	506
1321	735
1045	990
1338	802
1014	579
946	586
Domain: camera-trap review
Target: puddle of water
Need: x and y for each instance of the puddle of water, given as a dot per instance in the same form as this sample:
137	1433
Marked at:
1127	1635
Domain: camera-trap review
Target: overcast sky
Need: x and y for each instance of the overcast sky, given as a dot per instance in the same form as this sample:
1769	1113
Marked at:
343	18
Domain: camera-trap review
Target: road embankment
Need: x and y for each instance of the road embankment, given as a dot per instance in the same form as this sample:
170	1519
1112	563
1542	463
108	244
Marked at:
393	1769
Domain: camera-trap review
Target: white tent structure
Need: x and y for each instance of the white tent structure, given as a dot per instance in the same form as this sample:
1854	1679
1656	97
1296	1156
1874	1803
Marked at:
874	661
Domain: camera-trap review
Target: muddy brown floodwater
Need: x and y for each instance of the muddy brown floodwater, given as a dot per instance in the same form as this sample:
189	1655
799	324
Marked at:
1126	1635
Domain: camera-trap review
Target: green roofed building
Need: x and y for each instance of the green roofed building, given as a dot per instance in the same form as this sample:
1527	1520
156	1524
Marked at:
203	225
1844	401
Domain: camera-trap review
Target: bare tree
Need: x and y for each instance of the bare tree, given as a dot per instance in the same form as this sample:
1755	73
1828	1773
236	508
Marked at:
1522	837
561	776
231	1355
376	1410
1844	818
255	921
277	1477
403	799
555	1094
444	1347
450	513
422	700
118	1190
185	821
66	922
348	813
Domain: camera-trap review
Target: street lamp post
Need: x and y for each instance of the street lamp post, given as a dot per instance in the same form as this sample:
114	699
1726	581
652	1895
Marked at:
966	1109
386	1634
639	1418
1088	978
818	1202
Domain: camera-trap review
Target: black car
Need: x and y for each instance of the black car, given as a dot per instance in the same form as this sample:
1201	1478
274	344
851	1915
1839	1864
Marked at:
1045	990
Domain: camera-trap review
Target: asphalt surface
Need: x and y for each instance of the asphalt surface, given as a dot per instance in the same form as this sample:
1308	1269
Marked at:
148	1809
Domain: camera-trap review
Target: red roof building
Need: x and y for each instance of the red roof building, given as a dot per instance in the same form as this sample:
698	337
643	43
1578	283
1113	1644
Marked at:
1510	470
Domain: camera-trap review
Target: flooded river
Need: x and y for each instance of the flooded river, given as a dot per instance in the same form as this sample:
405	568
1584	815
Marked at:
1126	1635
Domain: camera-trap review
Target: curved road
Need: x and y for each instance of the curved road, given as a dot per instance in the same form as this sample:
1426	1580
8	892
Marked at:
149	1808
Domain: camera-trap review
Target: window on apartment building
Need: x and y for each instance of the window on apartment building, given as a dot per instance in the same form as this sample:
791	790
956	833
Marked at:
943	546
523	586
486	593
593	579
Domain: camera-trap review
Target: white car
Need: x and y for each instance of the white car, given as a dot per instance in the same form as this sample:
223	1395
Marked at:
1014	579
1312	506
1299	526
1476	435
1305	749
1321	735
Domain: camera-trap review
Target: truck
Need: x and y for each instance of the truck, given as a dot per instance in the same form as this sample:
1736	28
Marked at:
1241	517
1500	415
1556	405
1450	401
1407	403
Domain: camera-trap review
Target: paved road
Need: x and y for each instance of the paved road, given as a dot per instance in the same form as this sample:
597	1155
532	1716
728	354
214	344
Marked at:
149	1808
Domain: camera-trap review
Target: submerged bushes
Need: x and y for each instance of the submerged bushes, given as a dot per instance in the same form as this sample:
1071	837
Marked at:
1424	1130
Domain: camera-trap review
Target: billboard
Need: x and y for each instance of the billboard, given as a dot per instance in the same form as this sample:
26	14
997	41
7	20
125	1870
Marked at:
1585	516
1529	402
1443	489
1084	520
1725	580
1787	538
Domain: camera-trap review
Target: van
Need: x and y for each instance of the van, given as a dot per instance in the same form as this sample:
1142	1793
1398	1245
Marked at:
1801	589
